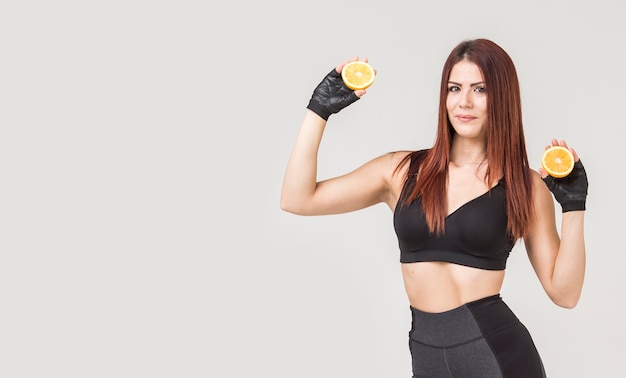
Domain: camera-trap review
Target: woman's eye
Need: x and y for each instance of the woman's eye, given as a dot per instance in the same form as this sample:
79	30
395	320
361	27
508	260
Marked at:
453	88
479	89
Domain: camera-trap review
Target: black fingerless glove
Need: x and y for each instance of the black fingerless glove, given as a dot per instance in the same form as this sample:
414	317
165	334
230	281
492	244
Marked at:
331	95
571	190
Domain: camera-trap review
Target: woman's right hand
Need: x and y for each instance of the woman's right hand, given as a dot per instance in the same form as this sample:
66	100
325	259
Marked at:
331	95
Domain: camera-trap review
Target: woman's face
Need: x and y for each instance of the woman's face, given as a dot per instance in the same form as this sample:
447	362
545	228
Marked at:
467	100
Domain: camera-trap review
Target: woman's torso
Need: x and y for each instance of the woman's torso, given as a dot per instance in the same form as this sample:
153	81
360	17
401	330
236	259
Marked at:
435	286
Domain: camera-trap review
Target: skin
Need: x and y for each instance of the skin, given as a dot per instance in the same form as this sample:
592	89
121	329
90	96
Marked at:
558	261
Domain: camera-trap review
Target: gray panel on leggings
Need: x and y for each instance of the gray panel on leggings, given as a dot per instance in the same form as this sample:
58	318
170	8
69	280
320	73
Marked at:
473	360
428	362
445	329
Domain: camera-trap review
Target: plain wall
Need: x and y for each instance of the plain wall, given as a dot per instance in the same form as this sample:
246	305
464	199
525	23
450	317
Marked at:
141	157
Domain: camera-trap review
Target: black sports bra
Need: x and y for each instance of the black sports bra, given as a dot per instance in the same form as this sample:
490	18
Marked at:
475	234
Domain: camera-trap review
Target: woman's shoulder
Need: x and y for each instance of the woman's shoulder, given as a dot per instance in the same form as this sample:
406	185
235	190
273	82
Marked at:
535	177
406	156
539	187
398	156
398	160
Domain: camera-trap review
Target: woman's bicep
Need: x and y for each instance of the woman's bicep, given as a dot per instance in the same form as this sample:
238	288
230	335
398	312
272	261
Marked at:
369	184
363	187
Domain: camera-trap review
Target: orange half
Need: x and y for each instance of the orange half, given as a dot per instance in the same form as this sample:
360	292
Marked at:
358	75
557	161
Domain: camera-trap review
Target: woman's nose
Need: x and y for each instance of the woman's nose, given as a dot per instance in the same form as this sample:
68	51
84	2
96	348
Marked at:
465	101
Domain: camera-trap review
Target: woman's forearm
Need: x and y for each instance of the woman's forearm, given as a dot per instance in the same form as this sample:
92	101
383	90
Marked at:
300	177
569	268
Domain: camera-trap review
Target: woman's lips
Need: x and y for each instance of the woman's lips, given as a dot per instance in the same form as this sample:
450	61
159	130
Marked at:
465	117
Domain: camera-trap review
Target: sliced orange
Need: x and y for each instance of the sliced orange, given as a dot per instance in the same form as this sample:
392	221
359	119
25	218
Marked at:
358	75
558	161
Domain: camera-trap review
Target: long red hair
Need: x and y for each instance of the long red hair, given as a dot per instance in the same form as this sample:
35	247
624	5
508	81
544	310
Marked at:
506	147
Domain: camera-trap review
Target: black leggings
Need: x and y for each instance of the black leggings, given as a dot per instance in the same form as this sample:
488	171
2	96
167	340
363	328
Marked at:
481	339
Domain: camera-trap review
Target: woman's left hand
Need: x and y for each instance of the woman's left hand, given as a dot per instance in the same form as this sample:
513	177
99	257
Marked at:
571	190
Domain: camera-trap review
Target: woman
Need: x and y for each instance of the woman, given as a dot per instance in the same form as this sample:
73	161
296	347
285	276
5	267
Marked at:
459	207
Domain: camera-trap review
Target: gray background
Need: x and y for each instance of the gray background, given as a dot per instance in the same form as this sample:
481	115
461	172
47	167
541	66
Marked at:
141	157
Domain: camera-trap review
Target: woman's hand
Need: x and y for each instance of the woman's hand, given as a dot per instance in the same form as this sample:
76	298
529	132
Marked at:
332	95
571	190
